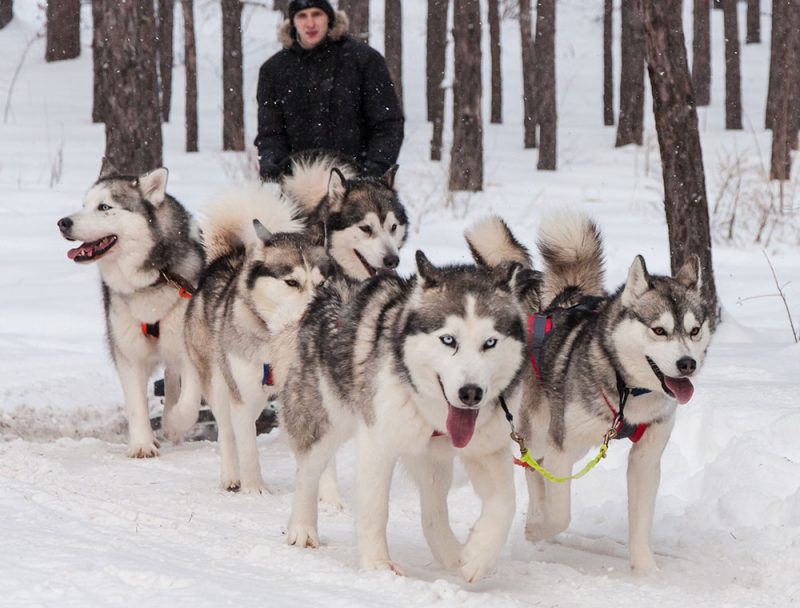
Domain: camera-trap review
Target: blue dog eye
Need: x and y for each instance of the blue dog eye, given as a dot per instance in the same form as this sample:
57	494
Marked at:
490	343
448	340
103	207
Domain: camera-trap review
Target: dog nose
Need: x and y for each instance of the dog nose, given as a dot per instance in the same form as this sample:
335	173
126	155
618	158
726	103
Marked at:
65	223
391	261
686	365
470	394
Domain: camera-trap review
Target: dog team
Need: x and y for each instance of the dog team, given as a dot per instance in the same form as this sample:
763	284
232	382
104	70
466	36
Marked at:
289	291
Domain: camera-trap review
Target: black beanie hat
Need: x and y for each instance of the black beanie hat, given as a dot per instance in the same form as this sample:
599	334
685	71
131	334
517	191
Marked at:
295	6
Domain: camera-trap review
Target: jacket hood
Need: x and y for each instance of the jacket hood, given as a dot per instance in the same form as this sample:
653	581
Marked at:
337	32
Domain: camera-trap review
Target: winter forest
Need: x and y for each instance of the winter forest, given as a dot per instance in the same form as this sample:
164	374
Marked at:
673	124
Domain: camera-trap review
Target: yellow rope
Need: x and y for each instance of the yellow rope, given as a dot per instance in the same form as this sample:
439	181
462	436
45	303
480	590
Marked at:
526	458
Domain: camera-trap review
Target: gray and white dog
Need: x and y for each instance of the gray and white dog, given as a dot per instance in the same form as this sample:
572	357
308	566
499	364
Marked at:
622	360
415	369
149	253
241	325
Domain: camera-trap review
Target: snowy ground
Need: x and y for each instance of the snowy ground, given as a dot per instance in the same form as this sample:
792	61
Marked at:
82	525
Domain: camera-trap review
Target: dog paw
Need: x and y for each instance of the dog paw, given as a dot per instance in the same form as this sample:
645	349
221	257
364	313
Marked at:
543	530
643	564
382	564
143	449
303	536
254	487
331	499
474	565
231	485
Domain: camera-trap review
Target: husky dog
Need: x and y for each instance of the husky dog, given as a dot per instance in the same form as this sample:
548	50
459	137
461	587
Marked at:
622	361
416	369
365	221
241	325
149	254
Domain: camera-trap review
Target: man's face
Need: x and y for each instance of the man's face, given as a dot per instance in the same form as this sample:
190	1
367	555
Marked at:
312	27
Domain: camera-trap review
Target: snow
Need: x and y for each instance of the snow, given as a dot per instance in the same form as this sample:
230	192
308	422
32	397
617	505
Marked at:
82	525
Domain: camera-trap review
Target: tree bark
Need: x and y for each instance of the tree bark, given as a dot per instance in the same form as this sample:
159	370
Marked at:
776	44
358	13
701	53
496	114
685	201
785	97
434	71
466	158
545	50
529	100
166	19
753	22
6	12
608	63
63	30
733	79
393	45
133	123
232	77
631	88
100	63
190	53
282	6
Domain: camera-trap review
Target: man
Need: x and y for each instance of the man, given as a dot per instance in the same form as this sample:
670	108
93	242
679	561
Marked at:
326	90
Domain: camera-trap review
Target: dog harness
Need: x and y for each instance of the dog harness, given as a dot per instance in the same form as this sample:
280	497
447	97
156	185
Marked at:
267	379
185	290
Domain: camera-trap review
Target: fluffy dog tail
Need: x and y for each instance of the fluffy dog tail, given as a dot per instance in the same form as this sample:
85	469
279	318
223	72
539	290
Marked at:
492	244
229	217
307	184
572	251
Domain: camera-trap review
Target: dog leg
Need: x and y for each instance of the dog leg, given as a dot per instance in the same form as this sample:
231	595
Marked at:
329	487
141	441
243	417
536	494
434	476
221	408
180	418
555	508
310	466
492	477
644	476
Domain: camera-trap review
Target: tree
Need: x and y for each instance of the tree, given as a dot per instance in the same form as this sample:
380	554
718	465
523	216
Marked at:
232	77
190	53
393	45
100	63
685	201
496	113
701	53
631	86
466	158
166	18
133	119
436	45
753	22
733	84
6	12
608	65
529	100
358	13
785	97
63	30
282	6
545	52
775	59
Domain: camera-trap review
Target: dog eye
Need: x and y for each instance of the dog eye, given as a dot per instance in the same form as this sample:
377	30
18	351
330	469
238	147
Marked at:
490	343
394	227
292	283
659	331
366	230
103	207
448	340
695	332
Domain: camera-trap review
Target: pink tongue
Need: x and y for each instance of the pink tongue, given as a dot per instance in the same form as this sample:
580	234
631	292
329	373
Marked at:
73	253
461	425
681	387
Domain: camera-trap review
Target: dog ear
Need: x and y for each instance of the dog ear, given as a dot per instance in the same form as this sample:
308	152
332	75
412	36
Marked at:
430	275
690	274
638	282
337	188
316	234
388	177
153	185
262	232
505	275
107	169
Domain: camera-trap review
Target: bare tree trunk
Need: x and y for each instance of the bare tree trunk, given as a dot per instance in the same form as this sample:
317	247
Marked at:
701	53
529	100
133	123
434	68
6	12
785	98
545	49
608	63
466	158
495	48
190	53
685	199
733	80
753	22
358	13
631	88
166	19
393	45
776	43
232	77
282	6
63	30
100	63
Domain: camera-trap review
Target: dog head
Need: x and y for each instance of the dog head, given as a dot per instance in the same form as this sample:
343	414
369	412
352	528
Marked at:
664	332
463	343
366	222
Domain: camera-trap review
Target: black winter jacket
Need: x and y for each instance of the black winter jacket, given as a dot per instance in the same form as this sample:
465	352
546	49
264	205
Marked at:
338	96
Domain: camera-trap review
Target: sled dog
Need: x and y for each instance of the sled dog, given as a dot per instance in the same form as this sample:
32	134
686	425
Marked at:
149	253
621	361
415	369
